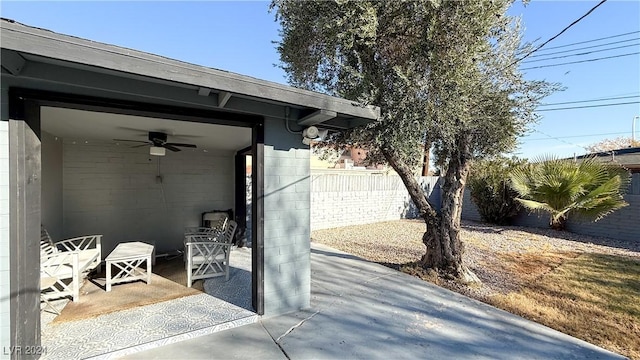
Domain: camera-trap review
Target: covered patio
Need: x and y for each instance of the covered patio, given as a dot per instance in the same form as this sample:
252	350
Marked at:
72	110
99	176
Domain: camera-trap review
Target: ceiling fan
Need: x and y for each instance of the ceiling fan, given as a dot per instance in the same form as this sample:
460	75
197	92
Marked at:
159	140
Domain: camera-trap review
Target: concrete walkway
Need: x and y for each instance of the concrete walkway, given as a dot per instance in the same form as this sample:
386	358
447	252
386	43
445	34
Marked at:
367	311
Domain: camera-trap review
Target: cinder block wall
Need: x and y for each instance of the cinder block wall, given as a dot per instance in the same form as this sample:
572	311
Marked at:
112	190
469	209
5	285
352	199
287	272
623	224
51	207
342	199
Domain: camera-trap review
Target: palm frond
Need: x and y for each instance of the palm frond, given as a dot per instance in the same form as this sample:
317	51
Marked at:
535	205
589	188
602	200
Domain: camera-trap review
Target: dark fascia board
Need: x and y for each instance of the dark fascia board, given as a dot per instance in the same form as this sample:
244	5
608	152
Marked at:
30	40
100	104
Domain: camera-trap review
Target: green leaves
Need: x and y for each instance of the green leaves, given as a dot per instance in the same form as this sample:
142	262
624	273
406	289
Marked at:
490	190
438	70
587	189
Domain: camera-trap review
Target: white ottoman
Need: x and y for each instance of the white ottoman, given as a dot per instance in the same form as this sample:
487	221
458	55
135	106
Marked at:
127	258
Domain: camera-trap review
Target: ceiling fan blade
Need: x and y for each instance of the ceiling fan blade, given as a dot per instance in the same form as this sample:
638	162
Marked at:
141	145
137	141
172	148
185	136
183	145
141	131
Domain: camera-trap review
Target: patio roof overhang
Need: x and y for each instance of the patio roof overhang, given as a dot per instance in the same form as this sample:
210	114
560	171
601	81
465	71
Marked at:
47	60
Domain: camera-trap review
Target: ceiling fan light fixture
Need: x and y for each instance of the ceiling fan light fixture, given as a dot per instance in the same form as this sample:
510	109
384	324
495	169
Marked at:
157	151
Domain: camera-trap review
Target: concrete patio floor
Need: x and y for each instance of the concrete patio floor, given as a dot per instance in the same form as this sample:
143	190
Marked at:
364	310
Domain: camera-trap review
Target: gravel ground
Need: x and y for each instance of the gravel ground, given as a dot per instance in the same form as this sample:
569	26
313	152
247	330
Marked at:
398	243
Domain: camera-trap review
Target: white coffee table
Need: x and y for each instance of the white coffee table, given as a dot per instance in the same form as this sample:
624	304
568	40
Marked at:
127	258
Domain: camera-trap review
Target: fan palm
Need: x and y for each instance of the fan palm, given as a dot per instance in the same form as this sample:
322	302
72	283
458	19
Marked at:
588	189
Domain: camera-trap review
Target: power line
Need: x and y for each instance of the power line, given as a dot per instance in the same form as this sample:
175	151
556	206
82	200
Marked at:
581	136
558	34
588	41
581	61
585	47
580	54
591	106
562	141
592	100
625	94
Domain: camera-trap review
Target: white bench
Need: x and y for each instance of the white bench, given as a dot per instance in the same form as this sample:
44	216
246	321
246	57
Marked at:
65	264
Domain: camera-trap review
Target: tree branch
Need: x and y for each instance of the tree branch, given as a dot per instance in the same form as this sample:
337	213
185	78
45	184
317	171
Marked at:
416	192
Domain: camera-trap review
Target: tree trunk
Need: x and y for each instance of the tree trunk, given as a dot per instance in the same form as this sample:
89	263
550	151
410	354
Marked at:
425	160
559	223
442	236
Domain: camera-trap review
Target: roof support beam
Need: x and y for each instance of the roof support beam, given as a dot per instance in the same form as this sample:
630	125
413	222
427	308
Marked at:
223	98
203	91
83	82
13	62
317	117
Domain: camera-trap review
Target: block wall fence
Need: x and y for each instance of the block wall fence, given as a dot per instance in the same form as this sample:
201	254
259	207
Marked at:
339	199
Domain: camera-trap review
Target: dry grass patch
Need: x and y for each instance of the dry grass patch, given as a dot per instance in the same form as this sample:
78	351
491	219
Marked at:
594	297
527	267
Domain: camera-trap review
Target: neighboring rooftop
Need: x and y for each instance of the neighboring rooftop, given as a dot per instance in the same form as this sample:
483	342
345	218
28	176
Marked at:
629	157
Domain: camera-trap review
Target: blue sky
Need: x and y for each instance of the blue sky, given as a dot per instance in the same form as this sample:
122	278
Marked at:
238	36
563	132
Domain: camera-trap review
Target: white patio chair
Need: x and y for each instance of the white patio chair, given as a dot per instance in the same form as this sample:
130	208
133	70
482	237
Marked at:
210	233
64	264
208	257
217	224
200	230
216	220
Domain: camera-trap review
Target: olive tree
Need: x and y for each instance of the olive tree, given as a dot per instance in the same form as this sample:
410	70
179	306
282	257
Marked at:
442	74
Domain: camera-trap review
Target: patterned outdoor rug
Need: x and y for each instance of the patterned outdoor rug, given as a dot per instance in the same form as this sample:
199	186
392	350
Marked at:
167	283
120	333
110	335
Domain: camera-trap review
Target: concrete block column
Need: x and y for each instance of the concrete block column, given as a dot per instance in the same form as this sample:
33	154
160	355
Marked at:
287	269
